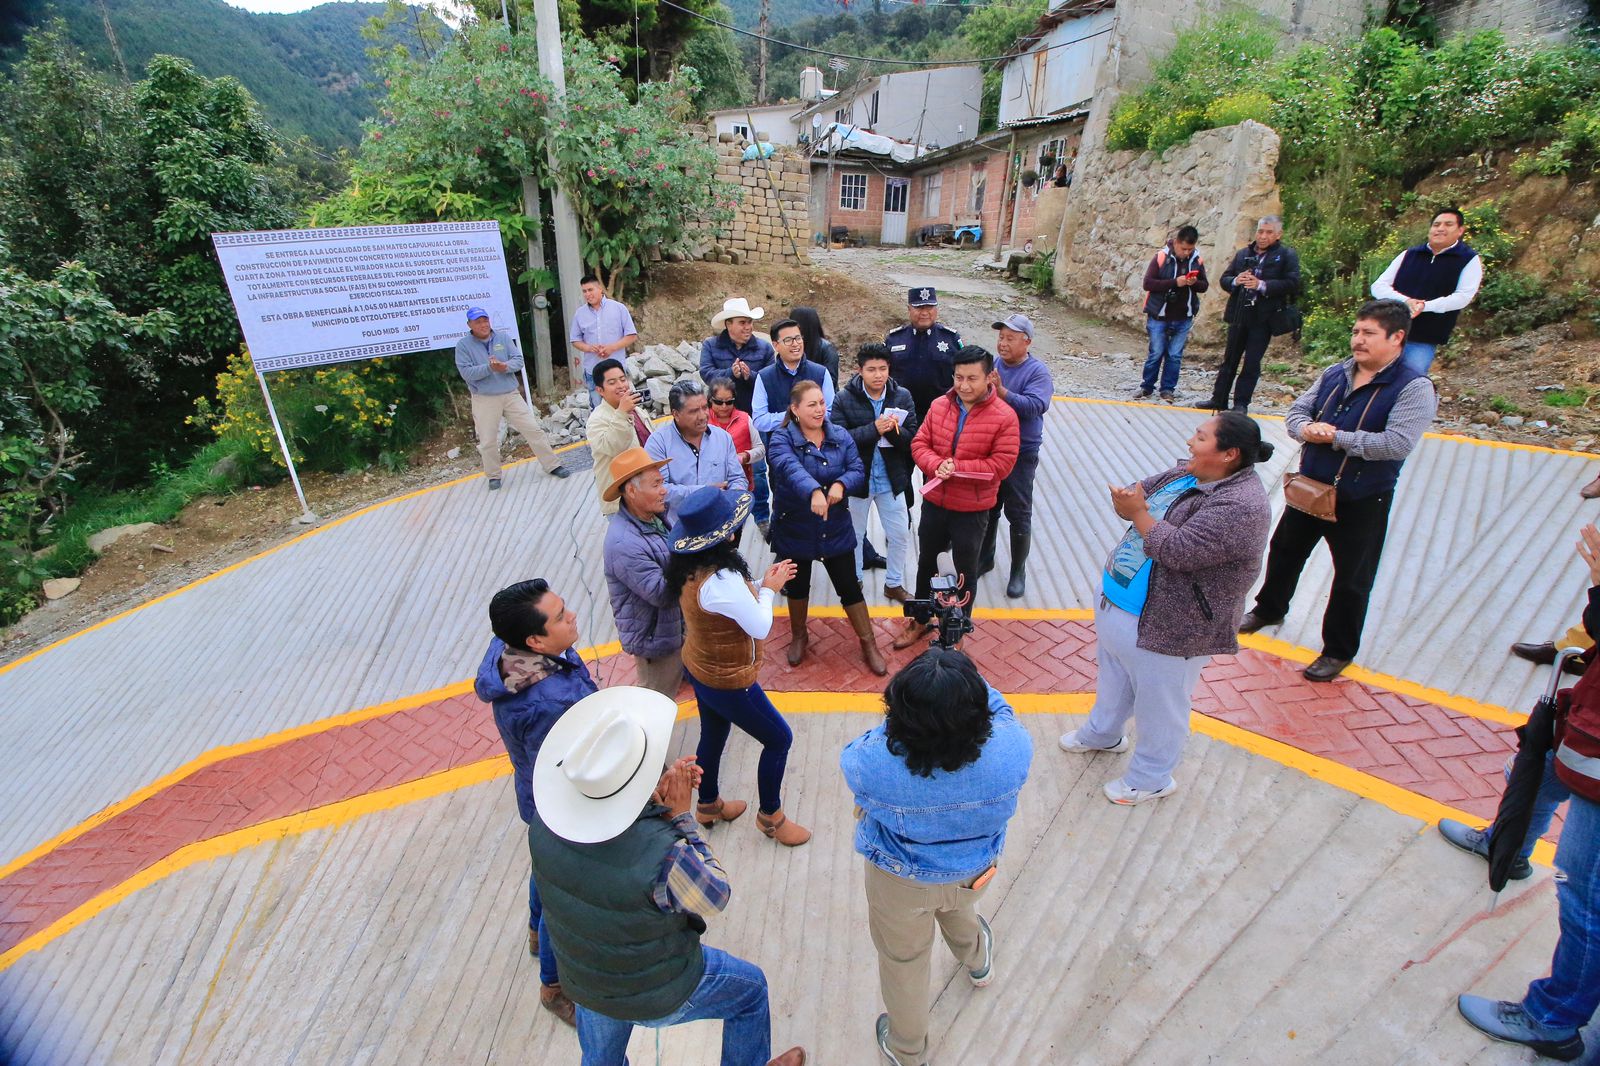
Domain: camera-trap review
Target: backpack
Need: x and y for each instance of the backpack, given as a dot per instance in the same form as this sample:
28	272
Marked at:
1577	758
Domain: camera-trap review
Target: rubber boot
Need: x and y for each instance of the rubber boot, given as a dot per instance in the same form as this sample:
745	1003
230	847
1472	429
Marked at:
1020	543
861	622
990	535
797	630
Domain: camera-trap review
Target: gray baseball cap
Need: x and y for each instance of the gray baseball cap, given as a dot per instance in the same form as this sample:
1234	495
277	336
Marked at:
1019	322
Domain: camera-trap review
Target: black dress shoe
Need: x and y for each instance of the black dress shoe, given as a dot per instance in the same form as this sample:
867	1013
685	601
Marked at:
1252	622
1325	668
1542	654
1212	405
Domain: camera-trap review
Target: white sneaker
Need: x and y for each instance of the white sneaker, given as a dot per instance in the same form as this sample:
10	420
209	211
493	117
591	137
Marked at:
1070	742
1119	791
981	977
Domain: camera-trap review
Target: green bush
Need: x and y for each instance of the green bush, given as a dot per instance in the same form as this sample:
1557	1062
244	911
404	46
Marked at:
1041	272
1129	128
1235	108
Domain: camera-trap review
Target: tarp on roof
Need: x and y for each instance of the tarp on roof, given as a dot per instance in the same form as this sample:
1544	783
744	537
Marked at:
838	136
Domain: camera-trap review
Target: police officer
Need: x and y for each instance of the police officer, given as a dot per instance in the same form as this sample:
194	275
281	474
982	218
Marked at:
920	352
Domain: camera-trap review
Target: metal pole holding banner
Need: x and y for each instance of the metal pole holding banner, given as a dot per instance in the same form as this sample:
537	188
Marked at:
308	516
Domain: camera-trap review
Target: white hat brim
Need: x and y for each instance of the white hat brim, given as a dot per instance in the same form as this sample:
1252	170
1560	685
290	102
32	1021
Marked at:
570	814
754	314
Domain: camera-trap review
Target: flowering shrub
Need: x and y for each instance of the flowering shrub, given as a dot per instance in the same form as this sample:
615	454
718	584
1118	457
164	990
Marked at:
334	418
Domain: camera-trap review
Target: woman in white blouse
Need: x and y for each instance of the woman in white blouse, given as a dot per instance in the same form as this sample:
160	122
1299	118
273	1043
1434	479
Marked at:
726	619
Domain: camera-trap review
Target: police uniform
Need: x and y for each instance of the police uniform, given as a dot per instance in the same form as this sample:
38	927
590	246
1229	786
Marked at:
920	359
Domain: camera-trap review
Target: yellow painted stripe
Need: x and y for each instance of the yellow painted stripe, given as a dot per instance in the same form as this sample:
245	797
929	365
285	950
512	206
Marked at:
323	528
998	614
1397	799
1455	437
1448	700
231	751
333	814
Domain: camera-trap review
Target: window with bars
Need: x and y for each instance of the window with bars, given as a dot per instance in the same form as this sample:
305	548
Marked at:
932	185
980	183
741	131
852	192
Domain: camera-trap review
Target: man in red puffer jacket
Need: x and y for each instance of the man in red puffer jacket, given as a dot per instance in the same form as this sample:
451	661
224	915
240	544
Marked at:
968	430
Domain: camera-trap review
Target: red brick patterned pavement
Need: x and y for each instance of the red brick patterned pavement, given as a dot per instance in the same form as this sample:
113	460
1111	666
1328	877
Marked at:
1444	755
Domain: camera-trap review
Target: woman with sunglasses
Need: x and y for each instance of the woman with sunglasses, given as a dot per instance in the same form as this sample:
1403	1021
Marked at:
816	467
726	416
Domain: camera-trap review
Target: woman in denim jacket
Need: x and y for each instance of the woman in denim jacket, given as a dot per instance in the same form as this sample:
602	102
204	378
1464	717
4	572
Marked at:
935	785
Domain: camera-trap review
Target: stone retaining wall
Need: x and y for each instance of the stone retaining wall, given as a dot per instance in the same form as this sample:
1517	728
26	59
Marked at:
1124	205
767	198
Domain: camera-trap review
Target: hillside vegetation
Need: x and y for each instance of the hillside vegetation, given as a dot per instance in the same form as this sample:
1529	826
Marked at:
308	71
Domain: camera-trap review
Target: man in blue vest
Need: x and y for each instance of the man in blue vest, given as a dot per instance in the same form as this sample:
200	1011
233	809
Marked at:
630	884
770	401
1435	280
1358	423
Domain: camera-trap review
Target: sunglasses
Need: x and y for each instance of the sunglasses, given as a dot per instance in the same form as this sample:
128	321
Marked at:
722	403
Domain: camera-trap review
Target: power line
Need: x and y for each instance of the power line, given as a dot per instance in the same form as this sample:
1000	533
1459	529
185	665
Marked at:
884	62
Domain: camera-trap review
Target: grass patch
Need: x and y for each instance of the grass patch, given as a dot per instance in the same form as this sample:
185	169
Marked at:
1576	396
1501	405
1277	368
169	492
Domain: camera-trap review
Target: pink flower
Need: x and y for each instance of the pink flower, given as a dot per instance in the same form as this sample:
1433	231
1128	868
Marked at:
591	172
661	166
505	48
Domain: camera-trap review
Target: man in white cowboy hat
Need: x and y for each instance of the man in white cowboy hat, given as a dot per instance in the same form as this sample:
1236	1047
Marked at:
637	548
487	360
738	353
629	885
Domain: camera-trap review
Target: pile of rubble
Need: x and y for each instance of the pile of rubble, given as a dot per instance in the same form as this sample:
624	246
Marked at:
654	371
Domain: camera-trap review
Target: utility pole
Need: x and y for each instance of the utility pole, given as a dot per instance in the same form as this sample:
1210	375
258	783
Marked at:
764	28
569	263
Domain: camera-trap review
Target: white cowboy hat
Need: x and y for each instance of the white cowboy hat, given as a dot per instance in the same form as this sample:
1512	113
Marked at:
737	307
600	762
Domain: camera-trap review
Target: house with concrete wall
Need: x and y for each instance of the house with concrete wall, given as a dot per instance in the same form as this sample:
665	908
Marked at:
776	120
933	107
1054	67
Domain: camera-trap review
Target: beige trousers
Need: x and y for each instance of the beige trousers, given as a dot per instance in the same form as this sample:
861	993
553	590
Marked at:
487	411
664	673
901	915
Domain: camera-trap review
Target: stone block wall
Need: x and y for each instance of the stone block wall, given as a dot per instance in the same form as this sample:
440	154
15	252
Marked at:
1514	18
770	195
1123	205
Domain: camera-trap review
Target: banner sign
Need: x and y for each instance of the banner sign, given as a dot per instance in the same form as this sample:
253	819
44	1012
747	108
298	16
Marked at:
310	297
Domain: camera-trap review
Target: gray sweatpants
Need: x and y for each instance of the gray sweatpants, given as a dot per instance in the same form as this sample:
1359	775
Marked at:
1151	688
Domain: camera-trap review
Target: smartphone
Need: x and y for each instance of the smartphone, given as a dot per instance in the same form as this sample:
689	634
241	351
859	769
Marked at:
984	878
1193	274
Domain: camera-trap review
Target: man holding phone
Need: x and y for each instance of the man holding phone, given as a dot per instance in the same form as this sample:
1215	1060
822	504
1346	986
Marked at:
1262	278
935	785
614	426
1173	283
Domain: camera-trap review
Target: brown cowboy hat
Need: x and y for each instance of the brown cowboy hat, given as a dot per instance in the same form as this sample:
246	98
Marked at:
629	463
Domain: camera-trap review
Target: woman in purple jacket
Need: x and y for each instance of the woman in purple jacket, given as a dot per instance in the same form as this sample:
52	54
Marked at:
1172	594
815	467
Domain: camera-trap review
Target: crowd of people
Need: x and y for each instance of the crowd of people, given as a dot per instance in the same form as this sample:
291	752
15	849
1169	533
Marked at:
940	432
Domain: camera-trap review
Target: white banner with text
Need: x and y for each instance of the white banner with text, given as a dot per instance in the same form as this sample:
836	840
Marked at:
310	297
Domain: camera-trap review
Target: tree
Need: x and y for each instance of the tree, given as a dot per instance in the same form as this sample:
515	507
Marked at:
458	132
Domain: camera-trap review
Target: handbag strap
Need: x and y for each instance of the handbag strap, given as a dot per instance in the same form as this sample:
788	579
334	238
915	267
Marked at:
1370	399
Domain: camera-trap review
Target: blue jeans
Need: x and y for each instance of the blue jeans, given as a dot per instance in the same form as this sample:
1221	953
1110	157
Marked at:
1418	356
547	954
1167	338
1568	997
732	990
896	531
748	708
1551	794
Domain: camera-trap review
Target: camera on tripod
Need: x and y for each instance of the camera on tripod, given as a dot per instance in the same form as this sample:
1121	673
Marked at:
947	604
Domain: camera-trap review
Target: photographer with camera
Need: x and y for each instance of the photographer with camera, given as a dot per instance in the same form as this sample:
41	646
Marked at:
935	785
965	448
1172	594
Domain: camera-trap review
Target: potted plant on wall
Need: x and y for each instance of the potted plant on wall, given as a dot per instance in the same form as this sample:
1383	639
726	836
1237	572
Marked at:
1029	177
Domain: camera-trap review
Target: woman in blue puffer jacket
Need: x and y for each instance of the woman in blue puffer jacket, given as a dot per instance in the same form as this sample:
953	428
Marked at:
815	467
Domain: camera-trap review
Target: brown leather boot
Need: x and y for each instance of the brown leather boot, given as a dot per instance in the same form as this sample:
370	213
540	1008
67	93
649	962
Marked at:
861	622
552	999
790	834
912	632
724	810
797	630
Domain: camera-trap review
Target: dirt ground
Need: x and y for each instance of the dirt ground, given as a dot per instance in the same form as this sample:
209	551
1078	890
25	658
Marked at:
860	295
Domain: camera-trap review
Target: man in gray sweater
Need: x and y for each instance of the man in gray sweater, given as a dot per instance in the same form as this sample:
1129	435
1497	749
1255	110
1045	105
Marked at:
488	361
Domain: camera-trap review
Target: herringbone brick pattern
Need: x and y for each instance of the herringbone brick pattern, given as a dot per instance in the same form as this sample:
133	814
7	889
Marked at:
1449	757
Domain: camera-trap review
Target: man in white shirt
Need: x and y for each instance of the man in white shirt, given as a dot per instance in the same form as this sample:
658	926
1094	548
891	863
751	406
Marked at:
1436	279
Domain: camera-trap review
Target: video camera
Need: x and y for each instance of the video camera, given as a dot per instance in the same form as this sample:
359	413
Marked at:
948	603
